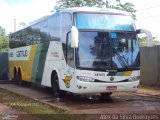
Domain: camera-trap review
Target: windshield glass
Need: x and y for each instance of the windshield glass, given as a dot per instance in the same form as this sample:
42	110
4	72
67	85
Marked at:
108	50
103	21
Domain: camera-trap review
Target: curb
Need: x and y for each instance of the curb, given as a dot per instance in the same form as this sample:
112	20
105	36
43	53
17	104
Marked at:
6	81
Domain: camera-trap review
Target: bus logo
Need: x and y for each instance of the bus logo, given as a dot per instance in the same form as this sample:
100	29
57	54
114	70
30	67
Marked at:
67	81
111	78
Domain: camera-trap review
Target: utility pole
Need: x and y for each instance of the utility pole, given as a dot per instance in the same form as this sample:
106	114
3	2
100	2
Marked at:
14	25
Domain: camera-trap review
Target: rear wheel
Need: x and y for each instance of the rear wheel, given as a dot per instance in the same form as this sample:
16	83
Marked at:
19	78
15	77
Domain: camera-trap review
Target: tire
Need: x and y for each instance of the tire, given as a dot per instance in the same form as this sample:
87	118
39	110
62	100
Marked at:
19	79
15	77
105	95
57	93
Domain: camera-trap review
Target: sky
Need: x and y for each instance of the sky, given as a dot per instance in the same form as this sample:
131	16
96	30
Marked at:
23	11
148	15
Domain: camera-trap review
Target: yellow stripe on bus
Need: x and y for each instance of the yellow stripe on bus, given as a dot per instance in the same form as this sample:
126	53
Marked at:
25	65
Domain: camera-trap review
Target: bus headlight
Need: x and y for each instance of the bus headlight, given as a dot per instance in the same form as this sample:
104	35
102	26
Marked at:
85	79
134	78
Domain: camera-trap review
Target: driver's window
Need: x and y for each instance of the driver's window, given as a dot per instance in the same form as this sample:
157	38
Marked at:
70	51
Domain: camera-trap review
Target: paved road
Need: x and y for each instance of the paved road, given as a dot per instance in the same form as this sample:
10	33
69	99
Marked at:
118	103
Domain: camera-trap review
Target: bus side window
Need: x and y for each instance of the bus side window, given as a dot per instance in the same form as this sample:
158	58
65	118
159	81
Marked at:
66	23
70	51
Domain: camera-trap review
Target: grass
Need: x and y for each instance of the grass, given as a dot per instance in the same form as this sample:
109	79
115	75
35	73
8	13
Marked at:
33	107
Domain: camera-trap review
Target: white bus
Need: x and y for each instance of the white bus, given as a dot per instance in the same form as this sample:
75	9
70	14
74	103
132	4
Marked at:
78	50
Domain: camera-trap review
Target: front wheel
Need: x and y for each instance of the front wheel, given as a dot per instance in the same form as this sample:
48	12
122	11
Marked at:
57	93
105	95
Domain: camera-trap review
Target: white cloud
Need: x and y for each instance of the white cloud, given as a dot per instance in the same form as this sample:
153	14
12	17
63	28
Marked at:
148	15
23	12
5	17
35	9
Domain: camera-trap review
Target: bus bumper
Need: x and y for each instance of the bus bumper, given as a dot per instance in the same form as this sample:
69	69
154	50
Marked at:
91	87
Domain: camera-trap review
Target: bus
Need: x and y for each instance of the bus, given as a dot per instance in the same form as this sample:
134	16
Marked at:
78	50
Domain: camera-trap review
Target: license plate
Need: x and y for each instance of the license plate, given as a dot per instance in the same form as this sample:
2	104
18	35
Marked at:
111	88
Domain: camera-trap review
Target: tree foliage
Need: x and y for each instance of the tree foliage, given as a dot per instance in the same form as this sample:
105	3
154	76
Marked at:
143	41
79	3
3	40
129	7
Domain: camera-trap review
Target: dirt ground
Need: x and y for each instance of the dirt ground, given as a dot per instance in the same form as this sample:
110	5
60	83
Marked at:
7	110
144	101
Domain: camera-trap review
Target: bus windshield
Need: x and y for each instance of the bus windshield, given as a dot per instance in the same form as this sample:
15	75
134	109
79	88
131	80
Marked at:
108	50
106	42
104	21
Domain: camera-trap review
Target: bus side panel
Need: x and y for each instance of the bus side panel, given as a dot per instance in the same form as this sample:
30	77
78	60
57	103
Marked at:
32	65
52	63
39	61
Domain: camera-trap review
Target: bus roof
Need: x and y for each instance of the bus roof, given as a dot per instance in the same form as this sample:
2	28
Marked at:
79	9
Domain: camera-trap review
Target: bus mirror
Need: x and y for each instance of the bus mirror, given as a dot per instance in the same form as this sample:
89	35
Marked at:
74	37
148	36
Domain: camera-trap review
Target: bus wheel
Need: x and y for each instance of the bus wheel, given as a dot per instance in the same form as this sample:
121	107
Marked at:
19	78
15	77
55	87
105	95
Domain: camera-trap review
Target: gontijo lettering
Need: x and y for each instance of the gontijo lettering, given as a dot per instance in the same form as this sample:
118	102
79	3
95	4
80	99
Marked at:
22	53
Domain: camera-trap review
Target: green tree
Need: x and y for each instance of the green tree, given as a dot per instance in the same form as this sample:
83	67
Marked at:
143	41
129	7
3	40
78	3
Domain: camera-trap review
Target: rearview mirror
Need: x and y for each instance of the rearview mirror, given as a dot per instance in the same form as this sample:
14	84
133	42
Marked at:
74	37
148	36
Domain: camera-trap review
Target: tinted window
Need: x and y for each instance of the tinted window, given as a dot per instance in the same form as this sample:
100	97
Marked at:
66	27
35	34
104	21
70	51
54	27
108	50
43	31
